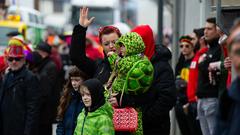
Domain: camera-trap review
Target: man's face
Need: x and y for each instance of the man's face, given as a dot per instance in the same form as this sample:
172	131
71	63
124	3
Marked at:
186	48
108	42
15	63
235	55
210	32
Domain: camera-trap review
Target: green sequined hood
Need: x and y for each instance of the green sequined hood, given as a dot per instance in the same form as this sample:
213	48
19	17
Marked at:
133	43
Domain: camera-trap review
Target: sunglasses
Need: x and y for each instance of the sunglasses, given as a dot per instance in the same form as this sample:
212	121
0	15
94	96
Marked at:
186	46
10	59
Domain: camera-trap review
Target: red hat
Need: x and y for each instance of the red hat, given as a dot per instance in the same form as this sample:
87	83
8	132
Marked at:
15	51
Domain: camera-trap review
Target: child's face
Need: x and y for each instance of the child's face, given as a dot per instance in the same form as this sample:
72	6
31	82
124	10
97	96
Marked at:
86	97
76	82
122	50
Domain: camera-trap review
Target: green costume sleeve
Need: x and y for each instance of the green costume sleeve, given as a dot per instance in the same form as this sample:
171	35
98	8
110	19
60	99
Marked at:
112	59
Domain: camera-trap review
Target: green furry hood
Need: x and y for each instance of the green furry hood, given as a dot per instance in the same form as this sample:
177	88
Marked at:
133	43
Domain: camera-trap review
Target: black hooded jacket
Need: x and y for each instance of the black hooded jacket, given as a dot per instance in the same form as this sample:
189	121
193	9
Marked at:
162	94
96	90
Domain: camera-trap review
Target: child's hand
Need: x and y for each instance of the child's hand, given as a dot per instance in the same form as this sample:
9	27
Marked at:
110	53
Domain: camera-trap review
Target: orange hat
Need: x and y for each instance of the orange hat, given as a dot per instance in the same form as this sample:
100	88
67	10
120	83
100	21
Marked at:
15	51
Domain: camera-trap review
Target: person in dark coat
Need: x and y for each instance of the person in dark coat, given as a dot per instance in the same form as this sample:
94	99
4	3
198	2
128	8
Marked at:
182	78
19	97
47	73
99	69
70	103
207	89
228	120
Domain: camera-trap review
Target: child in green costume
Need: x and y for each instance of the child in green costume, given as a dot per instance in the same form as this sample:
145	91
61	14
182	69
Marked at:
133	71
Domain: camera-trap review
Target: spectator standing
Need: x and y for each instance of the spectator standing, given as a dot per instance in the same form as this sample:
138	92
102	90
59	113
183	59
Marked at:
207	90
19	96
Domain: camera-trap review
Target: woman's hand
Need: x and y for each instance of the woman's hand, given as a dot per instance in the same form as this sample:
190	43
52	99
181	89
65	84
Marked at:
83	17
113	100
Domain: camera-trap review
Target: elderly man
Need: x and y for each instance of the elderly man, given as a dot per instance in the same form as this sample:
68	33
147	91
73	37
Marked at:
19	96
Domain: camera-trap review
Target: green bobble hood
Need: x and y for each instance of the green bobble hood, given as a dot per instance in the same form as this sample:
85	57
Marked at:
133	42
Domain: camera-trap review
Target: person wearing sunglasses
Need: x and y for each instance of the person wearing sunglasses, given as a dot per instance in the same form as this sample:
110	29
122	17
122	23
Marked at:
108	35
182	77
19	96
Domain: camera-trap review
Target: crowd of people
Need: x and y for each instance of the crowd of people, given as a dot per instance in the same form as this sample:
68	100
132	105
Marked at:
132	73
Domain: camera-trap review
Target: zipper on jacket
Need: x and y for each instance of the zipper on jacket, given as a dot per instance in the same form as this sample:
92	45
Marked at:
101	71
84	122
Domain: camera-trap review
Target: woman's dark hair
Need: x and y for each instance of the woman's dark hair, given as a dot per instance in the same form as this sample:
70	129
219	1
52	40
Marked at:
66	94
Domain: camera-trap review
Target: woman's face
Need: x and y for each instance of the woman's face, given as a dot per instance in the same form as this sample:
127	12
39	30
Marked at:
76	82
108	42
86	96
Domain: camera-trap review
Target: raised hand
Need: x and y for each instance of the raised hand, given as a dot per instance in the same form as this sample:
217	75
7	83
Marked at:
83	17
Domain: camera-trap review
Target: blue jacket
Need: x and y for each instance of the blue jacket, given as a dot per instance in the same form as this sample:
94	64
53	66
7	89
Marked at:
67	126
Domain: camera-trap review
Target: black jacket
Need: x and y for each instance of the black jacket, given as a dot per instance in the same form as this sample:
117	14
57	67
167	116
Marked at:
19	103
205	89
47	74
99	69
228	119
161	95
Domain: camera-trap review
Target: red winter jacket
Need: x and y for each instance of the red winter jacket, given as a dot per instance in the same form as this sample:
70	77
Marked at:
193	76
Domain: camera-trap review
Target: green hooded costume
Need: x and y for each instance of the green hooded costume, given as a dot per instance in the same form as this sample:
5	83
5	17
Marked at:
134	70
